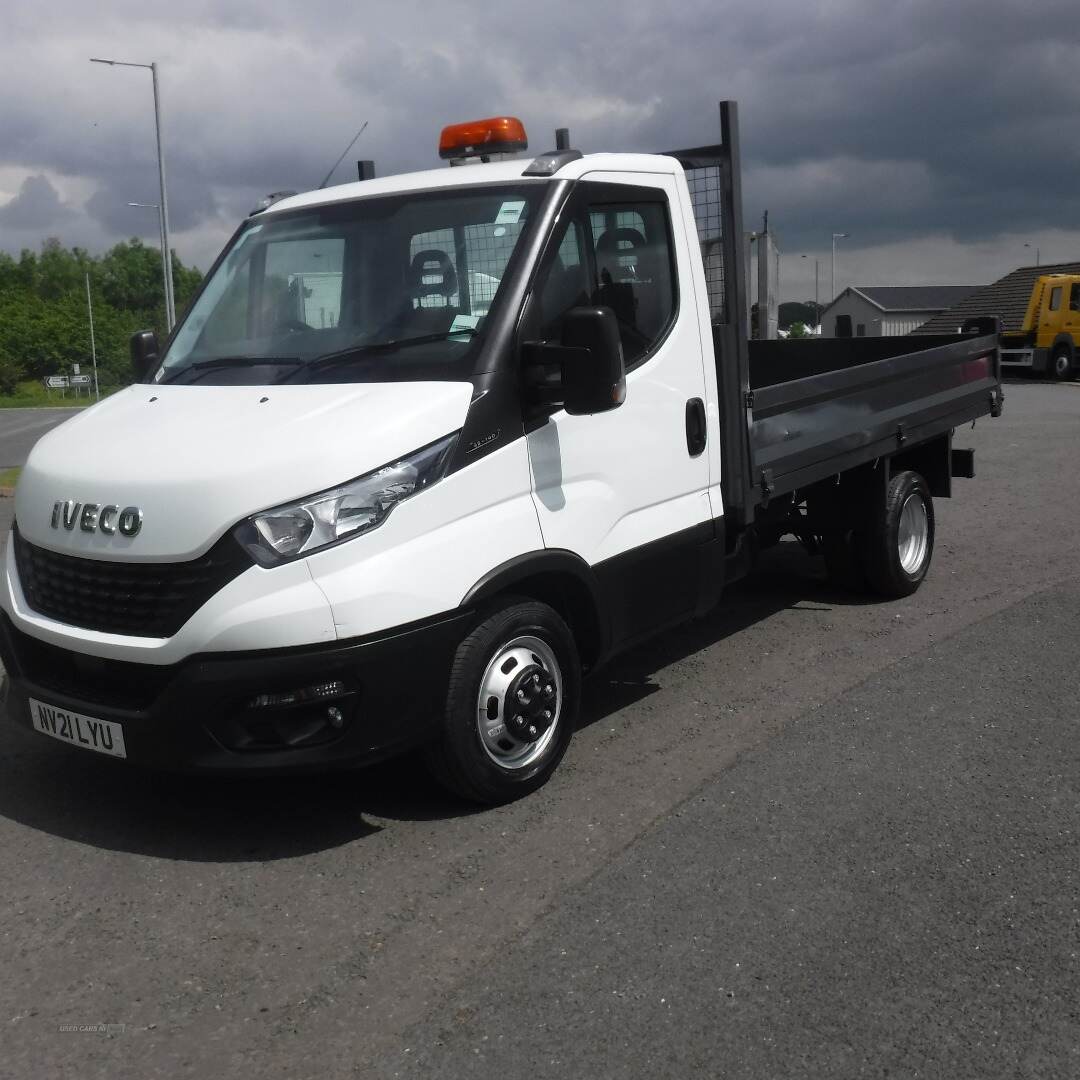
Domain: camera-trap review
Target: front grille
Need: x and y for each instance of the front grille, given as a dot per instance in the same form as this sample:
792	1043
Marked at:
134	599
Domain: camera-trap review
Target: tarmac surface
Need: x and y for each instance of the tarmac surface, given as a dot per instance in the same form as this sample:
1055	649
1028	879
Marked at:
21	428
809	836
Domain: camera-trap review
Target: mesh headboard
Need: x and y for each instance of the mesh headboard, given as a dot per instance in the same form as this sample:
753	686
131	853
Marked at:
704	184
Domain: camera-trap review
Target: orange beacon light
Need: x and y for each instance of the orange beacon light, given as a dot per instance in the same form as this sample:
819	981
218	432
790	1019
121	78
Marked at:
478	138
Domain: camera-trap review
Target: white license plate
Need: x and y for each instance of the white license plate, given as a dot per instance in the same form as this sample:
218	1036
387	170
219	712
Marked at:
101	735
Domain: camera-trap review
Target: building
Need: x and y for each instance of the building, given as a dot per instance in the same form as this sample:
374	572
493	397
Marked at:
1007	298
888	310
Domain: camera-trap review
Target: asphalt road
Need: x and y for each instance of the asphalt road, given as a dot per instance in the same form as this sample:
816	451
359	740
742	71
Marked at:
809	836
21	428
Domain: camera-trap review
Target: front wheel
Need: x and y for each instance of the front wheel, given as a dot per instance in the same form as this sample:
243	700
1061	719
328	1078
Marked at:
1060	367
899	543
511	705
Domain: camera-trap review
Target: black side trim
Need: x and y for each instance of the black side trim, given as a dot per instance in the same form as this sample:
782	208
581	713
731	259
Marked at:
547	561
658	584
563	580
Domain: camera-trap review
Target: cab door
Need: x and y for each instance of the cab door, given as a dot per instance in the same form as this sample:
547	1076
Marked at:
1071	324
627	490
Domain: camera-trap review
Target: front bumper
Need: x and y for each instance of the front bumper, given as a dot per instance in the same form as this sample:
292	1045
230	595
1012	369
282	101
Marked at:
1036	360
197	715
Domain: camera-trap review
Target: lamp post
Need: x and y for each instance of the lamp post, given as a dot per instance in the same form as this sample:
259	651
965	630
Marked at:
817	301
835	236
93	344
166	254
161	231
1037	253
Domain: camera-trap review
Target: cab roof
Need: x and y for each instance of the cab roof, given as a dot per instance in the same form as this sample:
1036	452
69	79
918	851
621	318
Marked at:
495	172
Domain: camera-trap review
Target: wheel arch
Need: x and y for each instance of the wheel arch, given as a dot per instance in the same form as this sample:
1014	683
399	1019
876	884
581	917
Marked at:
1065	340
563	581
932	460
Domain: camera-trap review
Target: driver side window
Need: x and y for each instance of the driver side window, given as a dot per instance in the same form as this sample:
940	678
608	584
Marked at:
617	255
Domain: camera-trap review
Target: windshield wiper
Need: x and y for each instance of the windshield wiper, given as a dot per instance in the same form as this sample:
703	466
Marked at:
233	361
345	356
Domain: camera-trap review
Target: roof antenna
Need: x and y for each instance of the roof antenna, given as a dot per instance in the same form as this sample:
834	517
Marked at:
326	179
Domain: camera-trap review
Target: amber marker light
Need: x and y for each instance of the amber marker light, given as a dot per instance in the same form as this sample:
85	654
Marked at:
478	138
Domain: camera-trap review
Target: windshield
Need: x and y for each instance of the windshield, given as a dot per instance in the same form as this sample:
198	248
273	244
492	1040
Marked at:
373	290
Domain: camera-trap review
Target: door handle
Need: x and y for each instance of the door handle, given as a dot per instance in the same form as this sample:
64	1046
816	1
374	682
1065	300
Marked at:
696	432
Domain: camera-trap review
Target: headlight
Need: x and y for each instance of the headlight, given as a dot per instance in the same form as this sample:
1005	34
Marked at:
307	525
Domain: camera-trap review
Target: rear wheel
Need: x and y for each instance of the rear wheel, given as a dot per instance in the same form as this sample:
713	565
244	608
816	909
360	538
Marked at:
1061	366
511	705
898	544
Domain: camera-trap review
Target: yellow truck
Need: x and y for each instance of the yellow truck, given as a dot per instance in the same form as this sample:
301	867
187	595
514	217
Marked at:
1048	341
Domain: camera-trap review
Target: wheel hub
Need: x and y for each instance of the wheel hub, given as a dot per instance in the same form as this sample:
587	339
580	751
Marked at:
913	534
530	704
519	703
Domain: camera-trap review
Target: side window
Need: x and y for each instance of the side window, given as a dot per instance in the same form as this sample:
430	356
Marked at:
567	284
1074	297
1055	298
635	271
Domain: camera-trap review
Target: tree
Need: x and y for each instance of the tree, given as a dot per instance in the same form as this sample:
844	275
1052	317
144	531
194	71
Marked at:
791	312
44	326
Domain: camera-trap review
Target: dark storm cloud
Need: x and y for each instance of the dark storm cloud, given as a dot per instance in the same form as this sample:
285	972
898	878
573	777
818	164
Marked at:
892	121
37	206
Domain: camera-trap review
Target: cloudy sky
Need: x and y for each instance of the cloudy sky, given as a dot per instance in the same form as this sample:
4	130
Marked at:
941	134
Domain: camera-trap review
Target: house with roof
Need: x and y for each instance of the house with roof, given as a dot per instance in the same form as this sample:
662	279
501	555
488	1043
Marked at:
888	310
1007	298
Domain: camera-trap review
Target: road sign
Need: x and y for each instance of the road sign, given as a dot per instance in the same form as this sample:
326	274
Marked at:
80	380
75	369
56	382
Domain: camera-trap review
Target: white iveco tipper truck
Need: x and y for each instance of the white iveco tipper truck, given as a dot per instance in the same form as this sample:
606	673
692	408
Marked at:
427	447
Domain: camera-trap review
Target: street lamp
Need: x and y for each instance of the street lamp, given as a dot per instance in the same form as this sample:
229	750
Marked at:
817	302
1037	253
161	236
166	254
836	236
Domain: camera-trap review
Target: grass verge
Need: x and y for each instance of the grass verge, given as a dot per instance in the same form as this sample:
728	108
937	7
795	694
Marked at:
31	395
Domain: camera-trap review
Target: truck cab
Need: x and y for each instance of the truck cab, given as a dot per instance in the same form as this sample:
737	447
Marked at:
427	448
1049	339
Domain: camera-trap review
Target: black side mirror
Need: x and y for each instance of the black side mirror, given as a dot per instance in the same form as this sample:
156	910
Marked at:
591	375
144	352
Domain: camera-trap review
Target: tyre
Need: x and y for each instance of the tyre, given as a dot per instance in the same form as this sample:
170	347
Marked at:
842	563
898	544
511	705
1060	365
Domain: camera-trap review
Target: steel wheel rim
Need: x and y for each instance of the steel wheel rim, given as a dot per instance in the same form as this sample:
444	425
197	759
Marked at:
1061	364
913	535
495	703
